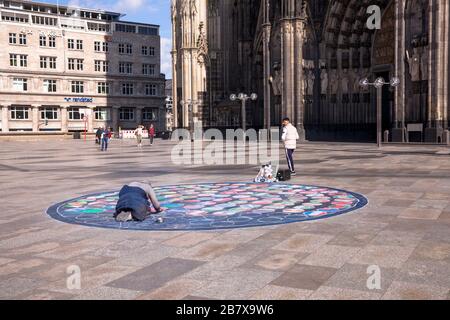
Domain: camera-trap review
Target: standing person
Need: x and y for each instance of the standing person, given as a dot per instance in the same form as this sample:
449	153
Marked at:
98	135
290	137
105	139
138	133
151	134
111	132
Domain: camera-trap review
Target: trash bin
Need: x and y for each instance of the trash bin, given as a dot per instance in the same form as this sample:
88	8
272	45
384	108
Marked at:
77	135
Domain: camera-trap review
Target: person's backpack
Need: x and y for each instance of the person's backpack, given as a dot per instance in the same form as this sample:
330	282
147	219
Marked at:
284	175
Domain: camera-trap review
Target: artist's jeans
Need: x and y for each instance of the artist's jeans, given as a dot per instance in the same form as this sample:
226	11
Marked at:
290	159
105	144
151	139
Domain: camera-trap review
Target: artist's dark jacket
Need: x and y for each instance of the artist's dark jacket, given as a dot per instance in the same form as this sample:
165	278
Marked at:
135	200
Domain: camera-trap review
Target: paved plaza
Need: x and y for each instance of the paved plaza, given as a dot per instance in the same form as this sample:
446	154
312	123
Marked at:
404	230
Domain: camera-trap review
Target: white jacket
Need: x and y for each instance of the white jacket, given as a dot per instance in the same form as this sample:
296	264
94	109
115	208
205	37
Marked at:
290	137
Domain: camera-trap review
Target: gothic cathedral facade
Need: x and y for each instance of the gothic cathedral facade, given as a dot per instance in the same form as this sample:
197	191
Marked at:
305	60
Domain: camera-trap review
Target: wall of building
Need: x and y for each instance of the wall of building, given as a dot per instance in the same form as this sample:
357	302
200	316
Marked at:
146	103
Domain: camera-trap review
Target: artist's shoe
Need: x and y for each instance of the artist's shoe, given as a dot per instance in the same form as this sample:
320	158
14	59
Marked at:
293	173
124	217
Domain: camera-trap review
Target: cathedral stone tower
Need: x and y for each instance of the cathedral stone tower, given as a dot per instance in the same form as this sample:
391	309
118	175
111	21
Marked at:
190	59
305	58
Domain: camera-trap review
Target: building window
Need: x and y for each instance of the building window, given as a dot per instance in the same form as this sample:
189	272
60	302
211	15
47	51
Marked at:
52	42
18	60
49	85
71	64
126	114
79	44
23	60
97	65
71	44
49	113
125	67
43	62
80	64
102	114
103	88
74	113
149	114
42	41
22	39
125	48
77	87
149	31
12	17
151	89
13	60
101	66
20	84
75	64
52	62
148	51
12	38
19	113
148	69
98	27
127	89
48	62
125	28
44	20
101	46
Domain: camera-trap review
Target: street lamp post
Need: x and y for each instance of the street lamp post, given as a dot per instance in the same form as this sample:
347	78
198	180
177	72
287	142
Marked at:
244	98
169	114
378	84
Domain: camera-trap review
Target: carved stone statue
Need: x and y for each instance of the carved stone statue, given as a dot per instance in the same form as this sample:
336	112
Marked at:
355	79
324	82
276	80
345	82
334	83
364	73
414	64
310	83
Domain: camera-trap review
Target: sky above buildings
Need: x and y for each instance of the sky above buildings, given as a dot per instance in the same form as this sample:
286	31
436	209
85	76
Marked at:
147	11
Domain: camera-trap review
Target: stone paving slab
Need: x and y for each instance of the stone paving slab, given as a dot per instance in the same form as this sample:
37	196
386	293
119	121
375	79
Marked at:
404	230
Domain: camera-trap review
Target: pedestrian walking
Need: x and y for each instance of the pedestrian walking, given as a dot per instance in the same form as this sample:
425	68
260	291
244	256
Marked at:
106	135
151	133
98	135
139	133
290	137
